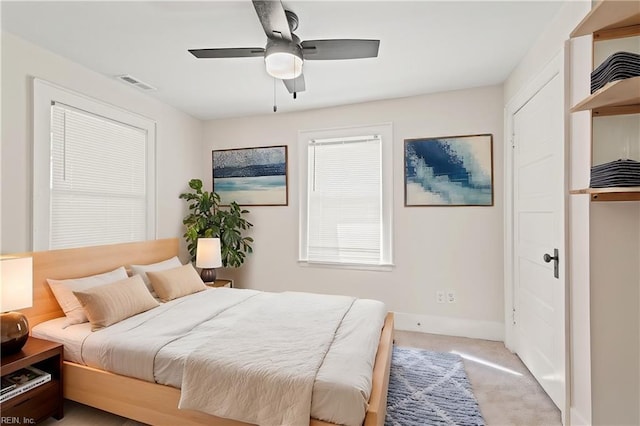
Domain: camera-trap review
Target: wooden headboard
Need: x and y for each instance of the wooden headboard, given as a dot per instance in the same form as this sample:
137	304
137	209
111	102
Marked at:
84	261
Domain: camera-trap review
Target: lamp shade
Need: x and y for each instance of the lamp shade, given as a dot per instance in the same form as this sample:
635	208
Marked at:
16	281
16	284
208	253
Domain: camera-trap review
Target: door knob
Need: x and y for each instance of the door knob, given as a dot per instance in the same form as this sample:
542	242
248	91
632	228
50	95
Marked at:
548	258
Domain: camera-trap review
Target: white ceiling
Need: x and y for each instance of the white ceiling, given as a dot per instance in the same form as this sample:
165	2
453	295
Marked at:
425	47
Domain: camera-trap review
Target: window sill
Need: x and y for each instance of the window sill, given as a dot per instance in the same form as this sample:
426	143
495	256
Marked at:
388	267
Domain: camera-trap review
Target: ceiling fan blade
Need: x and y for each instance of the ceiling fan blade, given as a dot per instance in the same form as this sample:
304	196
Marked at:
273	19
340	49
243	52
295	85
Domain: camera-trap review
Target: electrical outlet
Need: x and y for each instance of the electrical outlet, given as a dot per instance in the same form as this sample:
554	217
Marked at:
451	296
440	296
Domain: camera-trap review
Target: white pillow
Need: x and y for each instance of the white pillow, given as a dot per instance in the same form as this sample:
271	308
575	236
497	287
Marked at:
177	282
111	303
63	292
142	270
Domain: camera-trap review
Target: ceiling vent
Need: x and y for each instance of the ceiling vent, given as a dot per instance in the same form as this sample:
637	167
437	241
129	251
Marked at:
135	82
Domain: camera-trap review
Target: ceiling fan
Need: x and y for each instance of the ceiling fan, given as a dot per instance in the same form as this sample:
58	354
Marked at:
284	53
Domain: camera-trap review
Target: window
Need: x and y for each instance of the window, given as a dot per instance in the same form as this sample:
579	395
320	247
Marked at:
93	172
345	212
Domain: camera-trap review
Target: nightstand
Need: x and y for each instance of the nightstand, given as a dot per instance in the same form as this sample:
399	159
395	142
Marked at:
44	401
221	282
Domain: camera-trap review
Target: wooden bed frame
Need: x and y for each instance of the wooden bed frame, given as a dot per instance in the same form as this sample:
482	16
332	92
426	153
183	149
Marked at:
136	399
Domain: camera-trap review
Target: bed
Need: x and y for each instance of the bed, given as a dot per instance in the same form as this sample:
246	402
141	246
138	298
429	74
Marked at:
137	399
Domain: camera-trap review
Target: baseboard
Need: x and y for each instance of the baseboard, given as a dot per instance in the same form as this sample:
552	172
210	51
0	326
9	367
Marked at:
488	330
577	419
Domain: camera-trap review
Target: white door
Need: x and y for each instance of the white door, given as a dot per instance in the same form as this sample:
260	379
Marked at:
539	229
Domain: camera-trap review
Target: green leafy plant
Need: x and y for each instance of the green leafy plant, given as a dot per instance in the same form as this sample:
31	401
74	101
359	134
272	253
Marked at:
206	219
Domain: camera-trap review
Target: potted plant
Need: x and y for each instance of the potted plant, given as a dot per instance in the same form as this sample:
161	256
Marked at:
207	219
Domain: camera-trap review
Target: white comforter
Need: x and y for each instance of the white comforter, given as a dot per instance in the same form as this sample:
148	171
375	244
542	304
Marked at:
264	368
156	345
130	347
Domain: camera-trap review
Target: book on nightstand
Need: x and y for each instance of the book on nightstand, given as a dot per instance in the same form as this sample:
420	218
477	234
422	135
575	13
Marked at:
7	386
21	381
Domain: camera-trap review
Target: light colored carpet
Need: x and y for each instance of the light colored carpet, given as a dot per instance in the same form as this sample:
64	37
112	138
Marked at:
507	393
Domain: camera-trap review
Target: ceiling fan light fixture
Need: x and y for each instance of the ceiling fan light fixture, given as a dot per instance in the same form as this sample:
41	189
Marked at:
284	53
283	60
285	66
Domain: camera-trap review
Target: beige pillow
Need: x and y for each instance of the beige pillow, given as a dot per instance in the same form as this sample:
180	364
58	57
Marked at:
111	303
63	292
177	282
142	270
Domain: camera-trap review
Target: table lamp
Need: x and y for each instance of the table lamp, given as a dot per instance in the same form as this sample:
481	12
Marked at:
16	282
208	257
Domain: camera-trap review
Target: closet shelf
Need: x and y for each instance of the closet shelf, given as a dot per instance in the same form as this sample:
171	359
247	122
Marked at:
616	93
630	193
608	14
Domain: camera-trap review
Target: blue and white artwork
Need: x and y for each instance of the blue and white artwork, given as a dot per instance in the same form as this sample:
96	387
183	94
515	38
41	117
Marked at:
251	176
449	171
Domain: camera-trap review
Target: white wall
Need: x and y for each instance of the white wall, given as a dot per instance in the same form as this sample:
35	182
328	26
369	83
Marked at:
549	43
436	248
178	142
615	320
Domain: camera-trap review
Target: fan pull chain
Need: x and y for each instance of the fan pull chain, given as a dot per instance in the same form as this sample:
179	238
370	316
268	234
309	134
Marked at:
294	89
275	107
294	80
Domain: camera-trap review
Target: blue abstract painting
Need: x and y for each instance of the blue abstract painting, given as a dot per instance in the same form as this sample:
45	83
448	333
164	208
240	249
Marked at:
251	176
449	171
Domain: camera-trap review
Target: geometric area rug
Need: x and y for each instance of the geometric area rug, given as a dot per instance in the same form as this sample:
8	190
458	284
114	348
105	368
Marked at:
430	388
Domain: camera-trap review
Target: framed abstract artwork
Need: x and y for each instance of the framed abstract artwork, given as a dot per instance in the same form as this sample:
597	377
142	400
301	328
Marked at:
251	176
449	171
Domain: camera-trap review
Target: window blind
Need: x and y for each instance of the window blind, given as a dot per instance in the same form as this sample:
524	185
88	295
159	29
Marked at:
98	180
344	222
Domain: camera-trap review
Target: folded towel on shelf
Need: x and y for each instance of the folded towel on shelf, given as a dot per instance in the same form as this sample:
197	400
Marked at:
618	66
616	173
